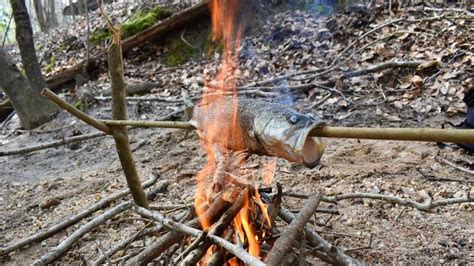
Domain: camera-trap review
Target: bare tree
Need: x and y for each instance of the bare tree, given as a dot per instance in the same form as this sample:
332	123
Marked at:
24	37
40	15
31	107
52	19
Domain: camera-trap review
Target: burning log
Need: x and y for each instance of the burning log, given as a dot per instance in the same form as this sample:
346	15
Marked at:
236	250
213	213
195	256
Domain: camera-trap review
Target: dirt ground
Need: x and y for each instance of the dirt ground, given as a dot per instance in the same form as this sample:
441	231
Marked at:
90	172
40	189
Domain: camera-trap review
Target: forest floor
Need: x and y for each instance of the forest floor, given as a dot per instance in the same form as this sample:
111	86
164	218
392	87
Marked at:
40	189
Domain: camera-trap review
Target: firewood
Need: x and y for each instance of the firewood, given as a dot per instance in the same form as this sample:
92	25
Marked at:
68	221
285	242
196	255
213	213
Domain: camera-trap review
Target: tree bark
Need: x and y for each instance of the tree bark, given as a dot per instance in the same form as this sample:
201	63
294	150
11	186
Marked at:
24	37
52	19
119	111
40	15
28	103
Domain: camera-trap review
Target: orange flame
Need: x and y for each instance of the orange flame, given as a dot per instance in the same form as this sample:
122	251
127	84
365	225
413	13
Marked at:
227	29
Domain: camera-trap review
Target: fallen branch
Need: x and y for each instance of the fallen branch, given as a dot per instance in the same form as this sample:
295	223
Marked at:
460	168
123	244
247	92
162	27
382	66
58	251
285	242
425	206
218	229
174	21
348	47
66	222
184	229
326	251
129	240
76	112
215	210
52	144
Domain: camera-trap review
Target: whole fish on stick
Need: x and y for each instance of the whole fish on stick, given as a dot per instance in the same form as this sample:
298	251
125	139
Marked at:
259	127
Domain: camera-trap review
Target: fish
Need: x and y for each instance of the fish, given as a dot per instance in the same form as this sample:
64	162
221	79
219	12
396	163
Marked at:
259	127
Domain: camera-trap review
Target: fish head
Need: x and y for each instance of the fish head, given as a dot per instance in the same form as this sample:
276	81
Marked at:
285	133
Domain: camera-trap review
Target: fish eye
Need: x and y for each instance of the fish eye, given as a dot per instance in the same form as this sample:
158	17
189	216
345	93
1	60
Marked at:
293	119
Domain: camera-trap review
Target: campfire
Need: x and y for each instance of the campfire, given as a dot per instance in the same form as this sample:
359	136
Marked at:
230	129
223	175
237	215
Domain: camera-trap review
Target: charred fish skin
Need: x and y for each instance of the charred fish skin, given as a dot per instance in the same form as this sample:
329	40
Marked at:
259	127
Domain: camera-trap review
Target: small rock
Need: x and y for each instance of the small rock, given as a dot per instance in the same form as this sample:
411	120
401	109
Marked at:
50	202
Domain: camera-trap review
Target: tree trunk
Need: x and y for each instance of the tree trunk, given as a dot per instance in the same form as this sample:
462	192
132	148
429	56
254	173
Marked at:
24	37
28	103
40	15
52	19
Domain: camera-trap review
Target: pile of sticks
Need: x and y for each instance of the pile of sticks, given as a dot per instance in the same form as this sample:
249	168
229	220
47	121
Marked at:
221	242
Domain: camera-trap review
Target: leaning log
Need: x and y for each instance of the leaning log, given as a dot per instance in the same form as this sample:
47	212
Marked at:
162	27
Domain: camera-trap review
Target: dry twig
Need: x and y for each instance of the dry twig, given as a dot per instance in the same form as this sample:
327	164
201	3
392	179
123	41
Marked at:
460	168
66	222
325	250
52	144
65	245
285	242
184	229
425	206
215	210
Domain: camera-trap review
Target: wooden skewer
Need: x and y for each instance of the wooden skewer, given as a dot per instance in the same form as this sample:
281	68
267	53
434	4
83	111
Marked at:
404	134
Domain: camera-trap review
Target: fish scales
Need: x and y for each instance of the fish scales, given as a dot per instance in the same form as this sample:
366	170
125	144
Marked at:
259	127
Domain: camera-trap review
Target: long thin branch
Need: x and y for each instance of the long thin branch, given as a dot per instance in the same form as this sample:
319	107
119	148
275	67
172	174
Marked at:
66	222
138	123
215	210
460	168
382	66
127	241
425	206
52	144
363	36
285	242
75	112
58	251
235	250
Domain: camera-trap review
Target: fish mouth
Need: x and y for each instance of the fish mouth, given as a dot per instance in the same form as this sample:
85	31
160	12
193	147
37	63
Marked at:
309	149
